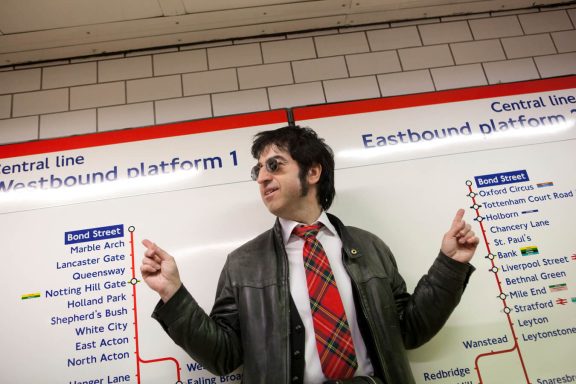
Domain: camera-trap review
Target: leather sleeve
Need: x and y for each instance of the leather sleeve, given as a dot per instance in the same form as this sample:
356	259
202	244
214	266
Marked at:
211	340
418	315
423	313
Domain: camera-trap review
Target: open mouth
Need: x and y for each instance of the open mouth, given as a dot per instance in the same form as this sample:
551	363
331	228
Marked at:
269	191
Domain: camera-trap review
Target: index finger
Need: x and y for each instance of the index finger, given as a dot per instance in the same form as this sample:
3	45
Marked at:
457	222
148	244
459	216
154	250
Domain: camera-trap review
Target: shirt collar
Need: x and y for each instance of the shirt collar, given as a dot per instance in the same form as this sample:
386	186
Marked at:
289	225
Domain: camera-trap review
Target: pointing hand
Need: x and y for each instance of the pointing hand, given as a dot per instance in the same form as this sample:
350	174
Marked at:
460	242
159	271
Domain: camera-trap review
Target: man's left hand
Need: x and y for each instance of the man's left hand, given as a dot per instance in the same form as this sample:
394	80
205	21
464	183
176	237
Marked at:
459	242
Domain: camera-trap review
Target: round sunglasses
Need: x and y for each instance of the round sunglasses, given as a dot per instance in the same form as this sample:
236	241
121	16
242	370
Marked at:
272	164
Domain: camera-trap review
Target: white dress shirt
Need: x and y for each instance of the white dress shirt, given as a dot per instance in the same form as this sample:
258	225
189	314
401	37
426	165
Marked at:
332	245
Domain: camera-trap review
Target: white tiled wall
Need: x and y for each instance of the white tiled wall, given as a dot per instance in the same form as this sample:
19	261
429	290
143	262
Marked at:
71	97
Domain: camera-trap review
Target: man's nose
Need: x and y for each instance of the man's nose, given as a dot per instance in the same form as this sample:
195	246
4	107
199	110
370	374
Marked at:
263	175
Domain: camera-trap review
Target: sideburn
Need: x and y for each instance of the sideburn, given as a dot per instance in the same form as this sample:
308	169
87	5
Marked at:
304	186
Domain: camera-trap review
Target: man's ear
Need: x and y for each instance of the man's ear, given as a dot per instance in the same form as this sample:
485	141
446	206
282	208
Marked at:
314	173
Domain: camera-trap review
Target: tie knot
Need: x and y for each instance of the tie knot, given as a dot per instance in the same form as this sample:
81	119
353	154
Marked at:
307	231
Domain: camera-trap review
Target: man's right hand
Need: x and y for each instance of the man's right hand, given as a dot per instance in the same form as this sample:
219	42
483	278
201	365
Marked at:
159	271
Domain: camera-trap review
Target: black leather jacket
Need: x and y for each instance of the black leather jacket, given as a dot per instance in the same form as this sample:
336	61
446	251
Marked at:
250	321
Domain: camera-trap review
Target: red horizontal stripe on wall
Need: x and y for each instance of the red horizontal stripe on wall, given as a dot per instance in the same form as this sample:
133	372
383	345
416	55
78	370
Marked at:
145	133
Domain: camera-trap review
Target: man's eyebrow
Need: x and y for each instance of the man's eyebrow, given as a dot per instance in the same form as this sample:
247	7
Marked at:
277	157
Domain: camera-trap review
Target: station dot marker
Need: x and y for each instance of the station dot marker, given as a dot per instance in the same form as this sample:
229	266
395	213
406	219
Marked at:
507	310
131	228
502	296
494	269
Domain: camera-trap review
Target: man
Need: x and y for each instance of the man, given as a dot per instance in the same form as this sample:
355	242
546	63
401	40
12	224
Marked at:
268	315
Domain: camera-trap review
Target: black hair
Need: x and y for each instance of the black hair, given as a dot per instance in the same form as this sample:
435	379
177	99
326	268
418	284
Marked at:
307	149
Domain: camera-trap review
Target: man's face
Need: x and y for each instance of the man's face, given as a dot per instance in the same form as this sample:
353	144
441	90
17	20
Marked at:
281	191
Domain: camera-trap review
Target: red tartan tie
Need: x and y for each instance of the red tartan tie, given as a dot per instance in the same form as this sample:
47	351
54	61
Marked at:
333	338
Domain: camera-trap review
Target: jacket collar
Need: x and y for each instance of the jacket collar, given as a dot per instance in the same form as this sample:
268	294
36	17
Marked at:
349	245
289	225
